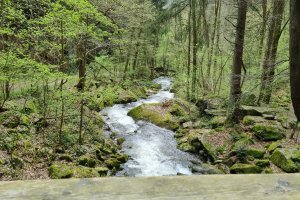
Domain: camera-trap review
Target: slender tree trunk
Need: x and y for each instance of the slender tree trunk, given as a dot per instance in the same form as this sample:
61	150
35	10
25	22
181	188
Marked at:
271	52
295	55
212	44
189	52
263	27
80	140
81	60
235	90
217	49
195	47
128	56
135	58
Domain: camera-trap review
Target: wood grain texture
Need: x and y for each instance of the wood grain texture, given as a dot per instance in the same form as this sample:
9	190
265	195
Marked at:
215	187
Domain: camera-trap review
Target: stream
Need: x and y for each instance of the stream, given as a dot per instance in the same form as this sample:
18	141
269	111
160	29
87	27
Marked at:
152	150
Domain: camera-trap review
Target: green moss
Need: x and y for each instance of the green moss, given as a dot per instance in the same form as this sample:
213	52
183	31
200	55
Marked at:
256	153
248	120
126	96
177	110
242	143
102	171
144	112
281	158
60	171
217	121
85	172
122	158
262	163
239	168
274	146
187	147
112	163
268	171
87	161
120	141
266	132
296	156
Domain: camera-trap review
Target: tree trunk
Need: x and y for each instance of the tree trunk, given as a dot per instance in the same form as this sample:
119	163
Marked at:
81	60
271	52
235	91
212	44
295	55
189	53
263	27
195	47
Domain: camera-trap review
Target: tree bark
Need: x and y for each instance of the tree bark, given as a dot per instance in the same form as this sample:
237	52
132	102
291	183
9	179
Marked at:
235	91
271	52
195	47
295	55
189	52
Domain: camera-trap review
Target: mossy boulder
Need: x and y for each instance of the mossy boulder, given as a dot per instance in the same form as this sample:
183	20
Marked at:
256	111
268	170
218	121
282	159
262	163
266	132
120	140
85	172
156	114
87	161
242	143
240	168
122	158
60	171
126	96
256	153
274	146
186	147
206	169
102	171
112	163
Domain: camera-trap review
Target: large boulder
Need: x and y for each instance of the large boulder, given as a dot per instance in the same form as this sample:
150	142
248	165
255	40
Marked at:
266	132
85	172
196	142
256	111
282	158
60	171
240	168
206	169
156	114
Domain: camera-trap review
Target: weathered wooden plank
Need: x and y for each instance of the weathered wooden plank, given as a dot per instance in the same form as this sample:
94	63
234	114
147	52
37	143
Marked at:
233	187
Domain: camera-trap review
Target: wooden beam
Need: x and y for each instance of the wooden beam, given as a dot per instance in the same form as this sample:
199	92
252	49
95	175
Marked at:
214	187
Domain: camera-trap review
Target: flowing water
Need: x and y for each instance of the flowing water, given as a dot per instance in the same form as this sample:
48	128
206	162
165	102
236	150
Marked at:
152	150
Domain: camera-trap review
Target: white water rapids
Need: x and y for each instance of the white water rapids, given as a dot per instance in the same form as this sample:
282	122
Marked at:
152	150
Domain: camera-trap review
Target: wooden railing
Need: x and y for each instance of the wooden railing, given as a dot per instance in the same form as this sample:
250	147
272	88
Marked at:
214	187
